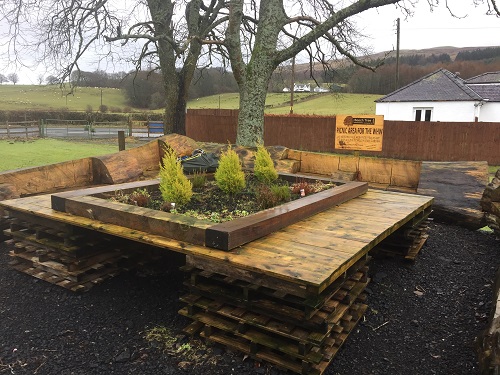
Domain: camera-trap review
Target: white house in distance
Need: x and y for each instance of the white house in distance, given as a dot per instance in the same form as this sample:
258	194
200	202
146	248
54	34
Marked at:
444	96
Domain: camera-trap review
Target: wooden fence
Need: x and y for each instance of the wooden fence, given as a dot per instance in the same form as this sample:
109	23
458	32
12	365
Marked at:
21	129
432	141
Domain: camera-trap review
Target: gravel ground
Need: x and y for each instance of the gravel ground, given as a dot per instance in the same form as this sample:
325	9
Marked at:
422	319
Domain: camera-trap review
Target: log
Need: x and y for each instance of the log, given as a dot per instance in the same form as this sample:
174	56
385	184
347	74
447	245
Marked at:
126	165
182	145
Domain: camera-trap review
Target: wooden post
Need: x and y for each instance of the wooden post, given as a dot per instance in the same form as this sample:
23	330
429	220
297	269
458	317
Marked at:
121	140
8	130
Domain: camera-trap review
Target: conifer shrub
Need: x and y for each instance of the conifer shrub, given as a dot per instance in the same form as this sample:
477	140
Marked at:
264	167
174	185
229	175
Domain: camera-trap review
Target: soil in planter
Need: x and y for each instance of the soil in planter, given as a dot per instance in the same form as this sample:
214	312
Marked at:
210	203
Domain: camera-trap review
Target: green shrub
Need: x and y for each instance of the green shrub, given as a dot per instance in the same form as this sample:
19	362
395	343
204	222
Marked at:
229	176
281	192
174	185
264	167
198	180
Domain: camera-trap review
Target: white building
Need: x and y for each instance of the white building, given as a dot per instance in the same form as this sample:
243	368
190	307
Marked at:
444	96
320	89
302	87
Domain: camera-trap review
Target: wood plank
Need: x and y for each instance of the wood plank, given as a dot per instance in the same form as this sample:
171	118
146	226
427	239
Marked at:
232	259
58	200
235	233
176	226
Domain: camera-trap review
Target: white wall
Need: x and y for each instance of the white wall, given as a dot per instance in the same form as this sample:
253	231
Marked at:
441	111
490	112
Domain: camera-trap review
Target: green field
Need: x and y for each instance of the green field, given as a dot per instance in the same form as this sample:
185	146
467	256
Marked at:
304	103
19	97
20	154
22	97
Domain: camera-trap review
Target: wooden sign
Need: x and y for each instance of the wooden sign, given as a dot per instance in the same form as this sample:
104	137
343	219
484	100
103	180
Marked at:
361	133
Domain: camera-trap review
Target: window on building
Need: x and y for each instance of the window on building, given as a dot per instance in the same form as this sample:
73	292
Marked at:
423	114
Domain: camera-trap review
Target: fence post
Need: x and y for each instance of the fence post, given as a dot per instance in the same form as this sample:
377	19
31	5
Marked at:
121	140
26	130
8	129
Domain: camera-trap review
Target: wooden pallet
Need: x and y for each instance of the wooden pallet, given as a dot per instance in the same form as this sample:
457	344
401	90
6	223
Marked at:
300	334
406	242
66	258
283	354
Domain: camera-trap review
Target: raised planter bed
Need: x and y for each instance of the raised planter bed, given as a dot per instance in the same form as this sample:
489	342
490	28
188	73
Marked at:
90	203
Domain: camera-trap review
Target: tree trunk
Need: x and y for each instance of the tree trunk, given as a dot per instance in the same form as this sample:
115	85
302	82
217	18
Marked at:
253	81
252	103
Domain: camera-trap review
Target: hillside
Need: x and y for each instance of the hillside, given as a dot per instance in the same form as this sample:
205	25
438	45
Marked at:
50	97
33	97
451	51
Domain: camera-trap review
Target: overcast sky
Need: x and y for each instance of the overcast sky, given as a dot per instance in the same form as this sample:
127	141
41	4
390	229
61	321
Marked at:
425	29
428	29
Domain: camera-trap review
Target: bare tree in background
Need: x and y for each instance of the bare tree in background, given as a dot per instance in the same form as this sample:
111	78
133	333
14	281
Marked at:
13	77
174	35
262	35
3	79
164	35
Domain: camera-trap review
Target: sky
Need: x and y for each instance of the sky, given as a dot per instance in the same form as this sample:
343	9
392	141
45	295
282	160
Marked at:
425	29
428	29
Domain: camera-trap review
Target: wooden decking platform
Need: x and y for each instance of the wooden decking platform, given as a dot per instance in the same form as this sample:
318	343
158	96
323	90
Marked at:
290	298
311	253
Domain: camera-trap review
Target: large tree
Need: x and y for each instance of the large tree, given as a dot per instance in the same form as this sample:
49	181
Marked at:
281	30
164	35
259	35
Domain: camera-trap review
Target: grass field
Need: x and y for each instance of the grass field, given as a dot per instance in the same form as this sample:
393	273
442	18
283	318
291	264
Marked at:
21	154
19	97
304	103
22	97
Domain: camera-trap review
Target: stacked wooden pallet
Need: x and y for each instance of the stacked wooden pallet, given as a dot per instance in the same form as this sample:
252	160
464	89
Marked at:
67	256
407	241
290	330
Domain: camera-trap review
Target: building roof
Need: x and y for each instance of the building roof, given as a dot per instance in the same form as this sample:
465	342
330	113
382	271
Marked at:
441	85
488	92
491	77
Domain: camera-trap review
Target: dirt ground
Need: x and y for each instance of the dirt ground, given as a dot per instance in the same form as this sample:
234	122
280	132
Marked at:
423	318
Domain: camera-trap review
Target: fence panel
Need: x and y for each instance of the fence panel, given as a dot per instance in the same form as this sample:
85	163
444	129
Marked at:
54	128
433	141
20	129
108	129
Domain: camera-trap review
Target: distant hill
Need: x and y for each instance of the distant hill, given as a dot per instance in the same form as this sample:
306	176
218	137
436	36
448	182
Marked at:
414	64
451	51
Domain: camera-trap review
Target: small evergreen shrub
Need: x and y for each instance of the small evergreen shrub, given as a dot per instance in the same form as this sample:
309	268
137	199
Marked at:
229	176
174	185
264	167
